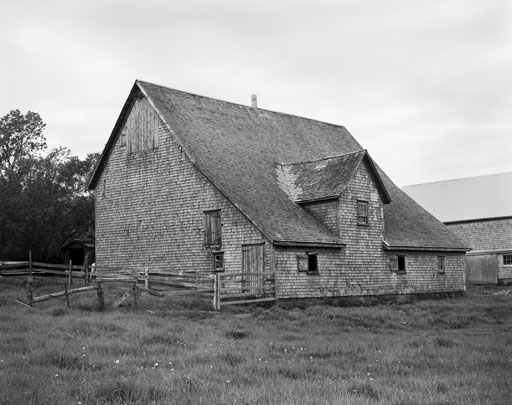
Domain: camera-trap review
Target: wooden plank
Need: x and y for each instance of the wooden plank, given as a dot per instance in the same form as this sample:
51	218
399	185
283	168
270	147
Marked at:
246	295
248	301
216	293
55	266
9	266
150	291
116	280
62	293
121	299
269	288
267	274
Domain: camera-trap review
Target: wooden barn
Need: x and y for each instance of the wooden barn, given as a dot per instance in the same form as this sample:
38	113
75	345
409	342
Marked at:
189	183
479	211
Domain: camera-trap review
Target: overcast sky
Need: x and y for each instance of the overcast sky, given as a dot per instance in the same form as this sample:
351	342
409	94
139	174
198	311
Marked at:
425	86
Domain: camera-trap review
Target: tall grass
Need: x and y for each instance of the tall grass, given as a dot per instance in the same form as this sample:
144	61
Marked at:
178	352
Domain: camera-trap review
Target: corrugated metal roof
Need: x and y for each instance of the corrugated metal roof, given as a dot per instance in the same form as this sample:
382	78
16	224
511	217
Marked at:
466	199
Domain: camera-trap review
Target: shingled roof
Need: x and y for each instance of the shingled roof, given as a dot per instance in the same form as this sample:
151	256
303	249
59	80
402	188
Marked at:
238	148
325	178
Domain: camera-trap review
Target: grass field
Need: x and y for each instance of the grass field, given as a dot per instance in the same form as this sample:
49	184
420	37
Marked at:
451	351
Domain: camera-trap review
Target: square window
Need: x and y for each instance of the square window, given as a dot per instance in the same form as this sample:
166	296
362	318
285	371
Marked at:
440	264
218	261
212	228
507	260
397	264
308	263
362	212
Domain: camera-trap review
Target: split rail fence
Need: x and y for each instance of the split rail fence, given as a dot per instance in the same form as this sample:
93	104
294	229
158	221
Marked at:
219	288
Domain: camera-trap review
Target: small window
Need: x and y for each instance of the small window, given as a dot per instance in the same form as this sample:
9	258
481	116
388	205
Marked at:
507	260
401	264
218	261
213	228
397	264
122	138
362	213
104	188
308	263
440	265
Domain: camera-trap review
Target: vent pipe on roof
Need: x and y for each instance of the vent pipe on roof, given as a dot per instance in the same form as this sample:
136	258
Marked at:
254	101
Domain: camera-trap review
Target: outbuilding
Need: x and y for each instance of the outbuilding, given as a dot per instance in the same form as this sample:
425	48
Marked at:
192	183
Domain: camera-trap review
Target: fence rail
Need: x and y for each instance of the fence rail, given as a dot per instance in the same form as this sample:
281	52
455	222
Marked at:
221	288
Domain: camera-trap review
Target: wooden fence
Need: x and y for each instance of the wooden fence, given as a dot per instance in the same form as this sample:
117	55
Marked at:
219	288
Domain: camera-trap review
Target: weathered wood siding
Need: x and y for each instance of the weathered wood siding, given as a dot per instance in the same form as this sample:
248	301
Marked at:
482	269
150	211
491	237
362	267
326	212
485	235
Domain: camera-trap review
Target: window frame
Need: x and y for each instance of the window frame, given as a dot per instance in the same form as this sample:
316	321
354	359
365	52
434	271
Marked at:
362	220
212	228
402	264
441	265
507	258
123	138
218	261
398	264
308	263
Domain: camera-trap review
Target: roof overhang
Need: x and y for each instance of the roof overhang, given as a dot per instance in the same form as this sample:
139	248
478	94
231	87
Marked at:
386	199
135	93
330	245
388	247
464	221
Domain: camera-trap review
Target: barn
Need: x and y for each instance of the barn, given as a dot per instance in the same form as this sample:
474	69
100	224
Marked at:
478	210
192	183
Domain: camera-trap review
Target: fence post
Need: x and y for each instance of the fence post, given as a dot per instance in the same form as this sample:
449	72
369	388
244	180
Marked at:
146	276
275	290
70	279
216	292
101	297
86	274
135	295
67	295
30	280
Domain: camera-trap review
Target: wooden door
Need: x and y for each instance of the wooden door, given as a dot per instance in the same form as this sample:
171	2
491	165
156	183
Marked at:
482	269
252	262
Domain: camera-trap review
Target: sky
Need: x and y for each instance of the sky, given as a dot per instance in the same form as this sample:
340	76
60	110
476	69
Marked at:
424	86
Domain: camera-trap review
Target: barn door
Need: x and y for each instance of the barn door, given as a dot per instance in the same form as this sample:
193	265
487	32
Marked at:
252	262
482	269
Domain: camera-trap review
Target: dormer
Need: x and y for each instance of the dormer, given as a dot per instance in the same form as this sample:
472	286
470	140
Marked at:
317	185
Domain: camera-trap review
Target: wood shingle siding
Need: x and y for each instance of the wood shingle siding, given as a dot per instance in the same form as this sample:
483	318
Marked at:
185	180
152	213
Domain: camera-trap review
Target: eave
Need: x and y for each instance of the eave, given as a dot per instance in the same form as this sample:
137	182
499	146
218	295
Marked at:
388	247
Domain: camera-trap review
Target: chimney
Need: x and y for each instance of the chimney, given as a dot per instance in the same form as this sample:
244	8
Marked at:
254	101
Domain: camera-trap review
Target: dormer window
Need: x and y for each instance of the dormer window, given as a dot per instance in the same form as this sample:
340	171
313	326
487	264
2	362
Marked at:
362	212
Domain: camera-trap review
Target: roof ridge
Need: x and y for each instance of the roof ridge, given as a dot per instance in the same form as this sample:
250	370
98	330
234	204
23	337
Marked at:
243	105
458	179
323	158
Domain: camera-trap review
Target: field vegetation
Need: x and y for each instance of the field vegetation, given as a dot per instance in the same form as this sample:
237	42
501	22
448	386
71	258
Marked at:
169	351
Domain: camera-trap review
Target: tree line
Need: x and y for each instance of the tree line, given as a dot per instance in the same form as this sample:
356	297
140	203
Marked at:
44	201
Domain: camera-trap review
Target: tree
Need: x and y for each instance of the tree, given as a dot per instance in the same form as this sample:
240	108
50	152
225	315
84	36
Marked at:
43	197
21	138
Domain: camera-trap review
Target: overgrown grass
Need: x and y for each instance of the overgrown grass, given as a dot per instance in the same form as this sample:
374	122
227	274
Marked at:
452	351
